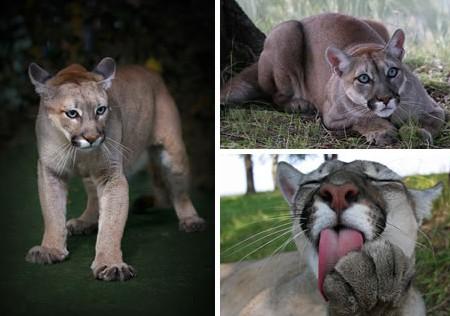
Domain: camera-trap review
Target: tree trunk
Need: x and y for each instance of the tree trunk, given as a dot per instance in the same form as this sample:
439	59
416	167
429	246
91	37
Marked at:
241	41
274	170
328	157
249	174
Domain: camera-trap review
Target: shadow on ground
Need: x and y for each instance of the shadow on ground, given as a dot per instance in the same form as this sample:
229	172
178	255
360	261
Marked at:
175	269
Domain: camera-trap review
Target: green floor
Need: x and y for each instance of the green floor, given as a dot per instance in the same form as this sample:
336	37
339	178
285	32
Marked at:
175	269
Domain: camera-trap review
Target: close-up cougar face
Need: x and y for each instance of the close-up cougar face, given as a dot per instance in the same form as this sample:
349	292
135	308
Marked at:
373	76
80	112
375	82
340	206
77	104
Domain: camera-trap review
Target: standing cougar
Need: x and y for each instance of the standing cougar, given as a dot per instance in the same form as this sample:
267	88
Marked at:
355	227
96	125
348	70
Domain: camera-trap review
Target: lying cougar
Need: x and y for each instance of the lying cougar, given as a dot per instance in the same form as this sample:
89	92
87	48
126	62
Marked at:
96	125
348	70
355	226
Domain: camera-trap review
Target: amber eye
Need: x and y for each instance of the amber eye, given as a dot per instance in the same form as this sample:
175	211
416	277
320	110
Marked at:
364	78
100	110
72	114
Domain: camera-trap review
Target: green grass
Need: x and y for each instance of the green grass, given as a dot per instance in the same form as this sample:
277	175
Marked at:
175	269
262	126
244	216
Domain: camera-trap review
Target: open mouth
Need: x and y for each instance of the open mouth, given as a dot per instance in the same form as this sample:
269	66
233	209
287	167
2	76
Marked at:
333	245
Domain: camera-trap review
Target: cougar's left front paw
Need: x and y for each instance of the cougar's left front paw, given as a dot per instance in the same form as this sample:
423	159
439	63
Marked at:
372	281
192	224
113	272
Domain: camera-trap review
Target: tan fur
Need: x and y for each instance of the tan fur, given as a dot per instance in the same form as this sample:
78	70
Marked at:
296	70
372	281
140	115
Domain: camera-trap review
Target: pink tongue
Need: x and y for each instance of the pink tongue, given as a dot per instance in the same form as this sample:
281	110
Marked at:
334	245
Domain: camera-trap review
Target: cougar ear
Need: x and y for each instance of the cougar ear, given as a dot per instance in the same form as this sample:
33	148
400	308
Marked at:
395	45
423	200
288	179
107	69
38	77
337	59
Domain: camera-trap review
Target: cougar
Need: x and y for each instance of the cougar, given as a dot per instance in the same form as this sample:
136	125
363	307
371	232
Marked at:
96	125
348	70
355	227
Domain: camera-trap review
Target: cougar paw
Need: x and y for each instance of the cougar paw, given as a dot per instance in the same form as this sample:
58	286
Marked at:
114	272
373	279
77	226
383	138
44	255
426	136
192	224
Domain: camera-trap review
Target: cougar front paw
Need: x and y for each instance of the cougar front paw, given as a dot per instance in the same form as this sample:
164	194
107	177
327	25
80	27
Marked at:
77	226
426	136
370	282
44	255
383	138
114	272
192	224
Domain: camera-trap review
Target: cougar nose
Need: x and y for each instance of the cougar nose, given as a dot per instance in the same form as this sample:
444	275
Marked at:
91	138
339	196
385	99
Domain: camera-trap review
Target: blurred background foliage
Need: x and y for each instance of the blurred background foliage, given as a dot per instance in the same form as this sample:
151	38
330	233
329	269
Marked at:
257	226
174	38
426	23
427	28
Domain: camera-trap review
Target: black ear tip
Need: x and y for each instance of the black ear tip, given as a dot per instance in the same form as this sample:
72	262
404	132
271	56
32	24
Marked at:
32	67
109	61
399	32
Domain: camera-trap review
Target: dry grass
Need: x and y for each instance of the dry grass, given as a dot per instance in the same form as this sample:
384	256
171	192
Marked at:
261	126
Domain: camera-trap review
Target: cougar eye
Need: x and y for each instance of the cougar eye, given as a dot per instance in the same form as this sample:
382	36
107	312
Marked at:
392	72
72	114
100	110
364	78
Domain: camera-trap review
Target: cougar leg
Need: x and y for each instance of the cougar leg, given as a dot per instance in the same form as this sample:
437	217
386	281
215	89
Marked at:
87	222
174	162
159	188
53	198
108	264
277	75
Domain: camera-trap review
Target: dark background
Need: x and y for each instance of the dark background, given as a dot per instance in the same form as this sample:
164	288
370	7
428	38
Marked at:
175	269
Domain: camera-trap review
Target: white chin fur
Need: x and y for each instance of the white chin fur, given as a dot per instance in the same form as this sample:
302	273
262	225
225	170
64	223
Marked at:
383	110
97	142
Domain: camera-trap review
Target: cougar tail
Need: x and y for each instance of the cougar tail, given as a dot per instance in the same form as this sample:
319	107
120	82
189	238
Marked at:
243	87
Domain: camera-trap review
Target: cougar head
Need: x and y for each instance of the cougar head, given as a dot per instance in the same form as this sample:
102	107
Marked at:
372	75
340	206
75	100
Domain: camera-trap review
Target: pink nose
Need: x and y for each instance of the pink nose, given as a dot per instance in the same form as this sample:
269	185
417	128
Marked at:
91	138
339	196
